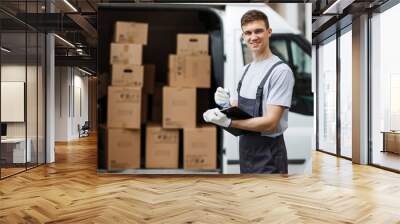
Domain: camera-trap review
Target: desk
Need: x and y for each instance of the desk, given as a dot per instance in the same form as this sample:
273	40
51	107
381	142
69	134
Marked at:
391	141
16	147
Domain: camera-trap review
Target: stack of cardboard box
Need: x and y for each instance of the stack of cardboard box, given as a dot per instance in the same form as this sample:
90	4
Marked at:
132	83
125	95
189	70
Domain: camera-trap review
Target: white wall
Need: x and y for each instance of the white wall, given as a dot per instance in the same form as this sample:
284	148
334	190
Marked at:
62	80
81	82
13	73
71	87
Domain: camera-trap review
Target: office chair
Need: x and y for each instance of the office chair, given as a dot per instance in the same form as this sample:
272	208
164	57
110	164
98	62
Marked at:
84	130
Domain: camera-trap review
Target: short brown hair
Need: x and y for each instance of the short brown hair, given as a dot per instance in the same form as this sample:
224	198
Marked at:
254	15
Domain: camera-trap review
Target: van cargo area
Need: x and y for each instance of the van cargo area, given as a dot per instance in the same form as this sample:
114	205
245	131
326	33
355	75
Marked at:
165	22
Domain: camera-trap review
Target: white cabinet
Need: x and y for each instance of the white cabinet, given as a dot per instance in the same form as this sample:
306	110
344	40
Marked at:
19	155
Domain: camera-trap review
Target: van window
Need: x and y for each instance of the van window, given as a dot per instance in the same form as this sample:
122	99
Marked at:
280	49
289	50
301	60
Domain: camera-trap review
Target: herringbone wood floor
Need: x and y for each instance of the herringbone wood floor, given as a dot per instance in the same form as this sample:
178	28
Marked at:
70	191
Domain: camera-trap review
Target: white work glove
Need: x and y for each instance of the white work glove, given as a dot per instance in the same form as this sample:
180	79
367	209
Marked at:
222	97
217	117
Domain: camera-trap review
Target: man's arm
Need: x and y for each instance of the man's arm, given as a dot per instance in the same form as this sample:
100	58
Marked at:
266	123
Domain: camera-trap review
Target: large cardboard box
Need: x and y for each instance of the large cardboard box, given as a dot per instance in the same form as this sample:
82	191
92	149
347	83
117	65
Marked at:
123	149
162	147
131	32
149	78
179	107
156	107
126	54
190	71
200	147
124	107
192	44
127	75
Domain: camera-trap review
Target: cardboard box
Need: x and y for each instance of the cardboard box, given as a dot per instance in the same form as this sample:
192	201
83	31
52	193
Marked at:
189	71
179	107
192	44
123	149
131	32
149	78
200	147
124	107
127	75
156	107
126	54
392	142
162	147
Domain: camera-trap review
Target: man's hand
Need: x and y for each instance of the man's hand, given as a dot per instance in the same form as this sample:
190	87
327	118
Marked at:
217	117
222	97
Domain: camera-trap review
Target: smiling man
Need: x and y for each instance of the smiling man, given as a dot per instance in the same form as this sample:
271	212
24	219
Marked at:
265	92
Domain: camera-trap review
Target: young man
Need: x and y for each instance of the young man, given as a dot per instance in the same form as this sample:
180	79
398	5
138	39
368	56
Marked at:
264	91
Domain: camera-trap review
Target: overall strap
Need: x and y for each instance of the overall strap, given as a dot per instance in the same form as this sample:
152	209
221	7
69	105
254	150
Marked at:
259	95
241	80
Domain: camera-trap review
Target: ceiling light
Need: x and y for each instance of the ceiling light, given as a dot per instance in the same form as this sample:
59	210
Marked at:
337	7
326	11
65	41
70	5
5	50
84	71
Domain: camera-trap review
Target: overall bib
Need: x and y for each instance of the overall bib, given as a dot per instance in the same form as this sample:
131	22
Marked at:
260	154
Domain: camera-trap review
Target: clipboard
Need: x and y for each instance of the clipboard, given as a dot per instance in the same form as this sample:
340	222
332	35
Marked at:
235	113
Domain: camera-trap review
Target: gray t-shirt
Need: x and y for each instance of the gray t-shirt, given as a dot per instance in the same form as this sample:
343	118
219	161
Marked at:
278	88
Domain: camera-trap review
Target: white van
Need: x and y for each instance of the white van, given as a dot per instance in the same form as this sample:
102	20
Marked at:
229	55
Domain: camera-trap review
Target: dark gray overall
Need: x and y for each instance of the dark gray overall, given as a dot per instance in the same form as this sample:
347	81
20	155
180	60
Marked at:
260	154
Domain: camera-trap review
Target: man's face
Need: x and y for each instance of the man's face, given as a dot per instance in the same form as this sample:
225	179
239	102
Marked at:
256	36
